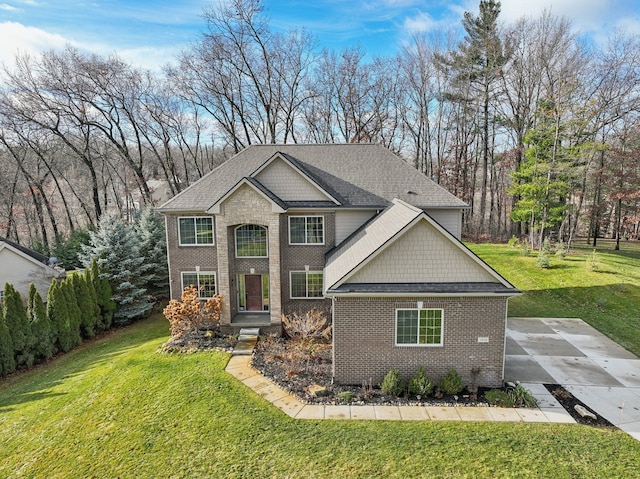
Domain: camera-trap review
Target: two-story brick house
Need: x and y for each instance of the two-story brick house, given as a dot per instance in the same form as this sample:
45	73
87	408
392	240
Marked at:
352	230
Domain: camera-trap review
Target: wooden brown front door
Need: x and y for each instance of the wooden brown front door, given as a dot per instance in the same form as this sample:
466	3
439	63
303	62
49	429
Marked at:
253	285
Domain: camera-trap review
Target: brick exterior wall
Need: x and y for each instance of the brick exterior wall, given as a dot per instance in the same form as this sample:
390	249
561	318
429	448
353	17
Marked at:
186	258
295	257
364	340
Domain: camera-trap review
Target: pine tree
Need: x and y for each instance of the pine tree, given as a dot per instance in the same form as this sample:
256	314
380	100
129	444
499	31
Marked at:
115	247
15	317
7	359
40	326
59	317
153	246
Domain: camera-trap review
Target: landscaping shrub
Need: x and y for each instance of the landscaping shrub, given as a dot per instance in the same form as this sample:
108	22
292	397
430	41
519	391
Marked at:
314	324
40	326
191	314
7	359
519	396
15	317
392	383
420	384
451	383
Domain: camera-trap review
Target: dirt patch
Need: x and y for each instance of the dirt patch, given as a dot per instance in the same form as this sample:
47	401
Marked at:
568	401
200	340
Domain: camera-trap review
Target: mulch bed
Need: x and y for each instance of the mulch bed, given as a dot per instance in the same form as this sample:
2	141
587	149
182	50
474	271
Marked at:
569	401
200	340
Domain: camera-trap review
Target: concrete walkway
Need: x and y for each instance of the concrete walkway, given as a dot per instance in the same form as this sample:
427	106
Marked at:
239	366
596	370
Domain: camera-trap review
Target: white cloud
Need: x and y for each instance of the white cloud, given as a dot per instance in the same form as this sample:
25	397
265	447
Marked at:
17	38
420	23
7	8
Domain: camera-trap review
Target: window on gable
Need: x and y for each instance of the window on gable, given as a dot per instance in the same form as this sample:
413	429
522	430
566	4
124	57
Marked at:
251	241
195	230
306	284
421	327
204	281
306	229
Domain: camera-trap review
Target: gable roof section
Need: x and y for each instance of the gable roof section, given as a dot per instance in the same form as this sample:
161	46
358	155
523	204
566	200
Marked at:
355	175
323	190
277	205
379	236
34	257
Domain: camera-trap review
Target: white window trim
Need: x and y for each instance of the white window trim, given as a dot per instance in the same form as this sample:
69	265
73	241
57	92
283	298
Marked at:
213	232
198	273
305	230
306	273
412	345
235	240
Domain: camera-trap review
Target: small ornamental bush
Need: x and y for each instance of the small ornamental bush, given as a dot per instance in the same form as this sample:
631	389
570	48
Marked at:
191	314
451	383
392	383
314	324
514	242
420	384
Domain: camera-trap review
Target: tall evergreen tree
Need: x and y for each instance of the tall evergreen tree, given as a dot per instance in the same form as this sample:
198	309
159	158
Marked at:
106	304
59	317
153	246
73	310
83	300
116	249
477	66
92	299
40	325
15	316
7	358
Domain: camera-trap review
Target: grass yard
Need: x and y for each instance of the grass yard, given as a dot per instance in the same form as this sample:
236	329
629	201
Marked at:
603	290
117	408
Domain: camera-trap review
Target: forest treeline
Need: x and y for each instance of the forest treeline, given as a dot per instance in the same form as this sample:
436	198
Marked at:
531	124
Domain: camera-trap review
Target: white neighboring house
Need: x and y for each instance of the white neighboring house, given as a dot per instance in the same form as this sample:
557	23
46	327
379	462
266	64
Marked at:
21	266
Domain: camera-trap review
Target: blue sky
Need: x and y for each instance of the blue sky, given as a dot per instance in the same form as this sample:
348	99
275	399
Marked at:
151	33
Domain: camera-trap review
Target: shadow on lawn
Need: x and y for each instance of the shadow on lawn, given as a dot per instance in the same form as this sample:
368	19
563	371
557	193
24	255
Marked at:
37	382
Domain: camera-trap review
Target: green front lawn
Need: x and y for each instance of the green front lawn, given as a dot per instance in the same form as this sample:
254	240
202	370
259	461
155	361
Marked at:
117	408
607	296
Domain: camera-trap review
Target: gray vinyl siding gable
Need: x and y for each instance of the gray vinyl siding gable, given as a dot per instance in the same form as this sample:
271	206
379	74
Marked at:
451	220
20	272
421	255
288	184
348	222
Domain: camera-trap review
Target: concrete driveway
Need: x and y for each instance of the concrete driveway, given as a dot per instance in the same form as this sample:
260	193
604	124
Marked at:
567	351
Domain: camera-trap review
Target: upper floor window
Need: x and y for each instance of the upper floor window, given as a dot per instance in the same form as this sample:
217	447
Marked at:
420	327
251	241
204	281
196	230
306	229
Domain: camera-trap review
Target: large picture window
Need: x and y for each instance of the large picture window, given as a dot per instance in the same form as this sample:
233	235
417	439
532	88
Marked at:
421	327
306	284
196	230
306	229
251	241
204	281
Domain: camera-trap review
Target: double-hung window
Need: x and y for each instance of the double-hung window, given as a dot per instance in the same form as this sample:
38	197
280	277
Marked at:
306	284
420	327
204	281
306	229
195	230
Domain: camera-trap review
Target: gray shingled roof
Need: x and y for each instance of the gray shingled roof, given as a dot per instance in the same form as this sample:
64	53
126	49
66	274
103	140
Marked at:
358	175
29	252
426	288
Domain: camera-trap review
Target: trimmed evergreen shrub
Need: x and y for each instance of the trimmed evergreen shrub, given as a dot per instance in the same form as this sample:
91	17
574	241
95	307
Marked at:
83	301
40	326
7	359
59	317
451	383
15	316
103	290
392	383
73	311
420	384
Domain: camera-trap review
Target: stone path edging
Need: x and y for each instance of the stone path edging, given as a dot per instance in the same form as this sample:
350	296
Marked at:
549	409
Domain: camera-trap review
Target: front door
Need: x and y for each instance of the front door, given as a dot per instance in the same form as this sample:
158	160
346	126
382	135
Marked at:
253	285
